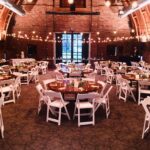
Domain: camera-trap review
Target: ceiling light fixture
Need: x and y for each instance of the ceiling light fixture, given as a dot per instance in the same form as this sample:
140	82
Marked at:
129	10
12	7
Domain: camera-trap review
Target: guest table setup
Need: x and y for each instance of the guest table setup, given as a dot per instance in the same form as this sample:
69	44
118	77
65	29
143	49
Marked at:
74	86
6	76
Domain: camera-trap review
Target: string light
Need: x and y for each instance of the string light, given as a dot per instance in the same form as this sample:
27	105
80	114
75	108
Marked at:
89	40
97	33
29	1
134	4
132	30
107	3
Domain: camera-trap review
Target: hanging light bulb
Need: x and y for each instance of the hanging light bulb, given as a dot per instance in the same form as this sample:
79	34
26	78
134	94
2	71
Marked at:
29	1
107	3
134	4
132	31
70	1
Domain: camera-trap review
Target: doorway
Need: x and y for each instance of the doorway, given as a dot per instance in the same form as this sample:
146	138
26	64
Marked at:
32	51
71	48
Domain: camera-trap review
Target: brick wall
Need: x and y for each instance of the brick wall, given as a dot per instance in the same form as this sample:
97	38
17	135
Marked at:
37	20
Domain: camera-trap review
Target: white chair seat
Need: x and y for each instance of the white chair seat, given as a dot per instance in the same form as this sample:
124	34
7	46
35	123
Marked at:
82	102
98	100
145	91
10	97
89	79
6	89
58	104
84	105
17	74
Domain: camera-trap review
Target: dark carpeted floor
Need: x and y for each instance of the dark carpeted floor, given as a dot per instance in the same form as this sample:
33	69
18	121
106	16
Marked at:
26	130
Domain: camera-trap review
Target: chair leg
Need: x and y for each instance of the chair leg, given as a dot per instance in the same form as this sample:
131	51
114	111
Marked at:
59	117
107	109
74	112
126	94
93	116
96	107
2	124
2	130
139	98
47	115
78	117
13	96
146	126
67	112
39	107
133	96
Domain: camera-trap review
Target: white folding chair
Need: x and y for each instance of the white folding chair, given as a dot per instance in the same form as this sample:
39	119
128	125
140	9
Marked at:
24	77
103	84
45	82
109	75
34	75
58	67
8	90
59	76
104	101
56	101
17	87
43	67
91	77
104	70
1	117
146	105
96	65
118	83
82	102
43	99
88	66
143	88
125	90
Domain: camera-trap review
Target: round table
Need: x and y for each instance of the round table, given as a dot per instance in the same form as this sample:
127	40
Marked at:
134	77
66	86
86	72
5	76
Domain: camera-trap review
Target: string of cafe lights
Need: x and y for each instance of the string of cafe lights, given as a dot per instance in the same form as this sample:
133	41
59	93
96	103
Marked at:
35	37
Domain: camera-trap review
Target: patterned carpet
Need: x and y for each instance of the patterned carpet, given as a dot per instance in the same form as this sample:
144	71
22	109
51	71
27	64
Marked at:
26	130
